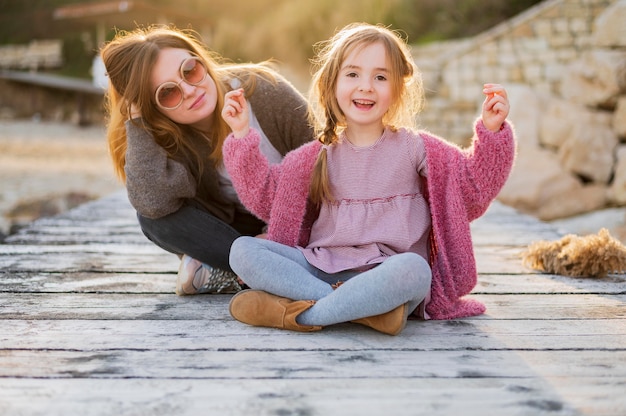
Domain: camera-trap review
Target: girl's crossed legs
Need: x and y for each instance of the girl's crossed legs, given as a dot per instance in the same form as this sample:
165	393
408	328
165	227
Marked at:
284	271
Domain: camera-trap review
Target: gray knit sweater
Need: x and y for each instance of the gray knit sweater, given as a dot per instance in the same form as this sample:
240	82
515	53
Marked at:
158	185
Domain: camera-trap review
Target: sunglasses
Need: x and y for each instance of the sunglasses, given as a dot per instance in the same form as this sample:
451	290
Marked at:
169	95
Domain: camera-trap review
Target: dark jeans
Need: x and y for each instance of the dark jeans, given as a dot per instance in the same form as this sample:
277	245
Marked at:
193	231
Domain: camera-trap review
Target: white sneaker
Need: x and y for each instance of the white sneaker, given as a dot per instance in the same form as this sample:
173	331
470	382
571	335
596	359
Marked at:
195	278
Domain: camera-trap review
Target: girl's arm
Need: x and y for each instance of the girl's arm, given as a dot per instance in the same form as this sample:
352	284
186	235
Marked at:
490	159
478	173
487	165
259	183
156	184
254	179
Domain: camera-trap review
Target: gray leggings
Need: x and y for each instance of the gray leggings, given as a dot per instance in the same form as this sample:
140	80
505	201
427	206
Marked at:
284	271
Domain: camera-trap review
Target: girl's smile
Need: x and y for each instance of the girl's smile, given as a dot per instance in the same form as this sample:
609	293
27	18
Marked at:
364	90
363	104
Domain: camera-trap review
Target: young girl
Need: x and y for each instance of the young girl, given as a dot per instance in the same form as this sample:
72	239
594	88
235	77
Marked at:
391	205
165	136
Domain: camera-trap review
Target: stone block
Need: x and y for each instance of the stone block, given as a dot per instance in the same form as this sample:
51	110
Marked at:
619	118
610	26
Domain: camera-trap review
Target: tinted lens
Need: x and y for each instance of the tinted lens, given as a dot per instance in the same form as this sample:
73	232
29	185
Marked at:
169	95
193	71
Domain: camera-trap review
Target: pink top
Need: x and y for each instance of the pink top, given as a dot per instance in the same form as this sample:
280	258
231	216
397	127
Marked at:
378	208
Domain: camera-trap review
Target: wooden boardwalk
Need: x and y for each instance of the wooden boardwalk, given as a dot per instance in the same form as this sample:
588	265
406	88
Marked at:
90	325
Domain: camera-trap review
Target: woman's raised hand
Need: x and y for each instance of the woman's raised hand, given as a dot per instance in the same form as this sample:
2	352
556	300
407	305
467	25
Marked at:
235	112
495	107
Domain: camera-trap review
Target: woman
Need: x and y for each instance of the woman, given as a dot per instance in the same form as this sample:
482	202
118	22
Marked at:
165	136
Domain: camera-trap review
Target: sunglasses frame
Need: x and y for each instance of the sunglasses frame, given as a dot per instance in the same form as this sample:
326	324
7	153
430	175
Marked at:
177	84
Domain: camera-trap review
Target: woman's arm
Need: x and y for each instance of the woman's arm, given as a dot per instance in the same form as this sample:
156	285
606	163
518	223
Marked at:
156	184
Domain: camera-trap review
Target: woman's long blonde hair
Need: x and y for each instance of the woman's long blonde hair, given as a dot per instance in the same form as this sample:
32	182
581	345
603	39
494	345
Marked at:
129	59
327	117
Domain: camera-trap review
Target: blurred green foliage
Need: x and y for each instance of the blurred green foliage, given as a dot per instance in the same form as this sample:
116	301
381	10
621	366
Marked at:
255	30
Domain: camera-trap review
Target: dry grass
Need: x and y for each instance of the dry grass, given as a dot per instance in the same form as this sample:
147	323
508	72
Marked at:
593	255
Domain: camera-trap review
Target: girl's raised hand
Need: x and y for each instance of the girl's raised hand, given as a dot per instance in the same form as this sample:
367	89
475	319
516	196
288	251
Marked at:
235	112
495	107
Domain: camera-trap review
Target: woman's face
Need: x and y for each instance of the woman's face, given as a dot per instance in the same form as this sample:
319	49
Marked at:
198	101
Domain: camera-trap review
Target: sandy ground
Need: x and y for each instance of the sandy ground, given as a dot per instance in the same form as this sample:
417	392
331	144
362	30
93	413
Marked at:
43	161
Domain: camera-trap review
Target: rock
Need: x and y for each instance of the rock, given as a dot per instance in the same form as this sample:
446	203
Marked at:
580	199
539	186
561	116
613	219
617	191
597	79
619	118
609	27
589	151
525	114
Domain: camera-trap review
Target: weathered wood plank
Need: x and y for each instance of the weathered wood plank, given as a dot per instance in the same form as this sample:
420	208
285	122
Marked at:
122	257
549	284
163	281
221	332
116	249
129	254
121	306
521	230
68	236
89	324
290	364
89	282
314	397
84	226
89	258
69	231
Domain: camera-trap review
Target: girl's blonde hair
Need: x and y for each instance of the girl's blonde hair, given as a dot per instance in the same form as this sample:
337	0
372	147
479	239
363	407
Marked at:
327	117
129	59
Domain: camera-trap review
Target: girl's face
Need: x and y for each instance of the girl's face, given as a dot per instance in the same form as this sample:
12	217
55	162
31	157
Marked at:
364	90
198	101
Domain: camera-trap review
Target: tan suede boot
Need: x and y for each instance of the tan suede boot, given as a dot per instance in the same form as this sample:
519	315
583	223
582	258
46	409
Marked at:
259	308
390	323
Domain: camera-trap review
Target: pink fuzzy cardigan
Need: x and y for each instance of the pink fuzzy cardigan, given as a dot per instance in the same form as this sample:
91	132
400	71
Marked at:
461	185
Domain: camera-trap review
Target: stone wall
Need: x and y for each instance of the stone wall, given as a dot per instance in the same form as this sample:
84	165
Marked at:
563	63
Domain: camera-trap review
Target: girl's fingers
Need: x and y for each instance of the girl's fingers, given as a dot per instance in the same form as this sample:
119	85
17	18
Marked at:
235	105
237	98
496	104
496	97
491	90
231	108
236	95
